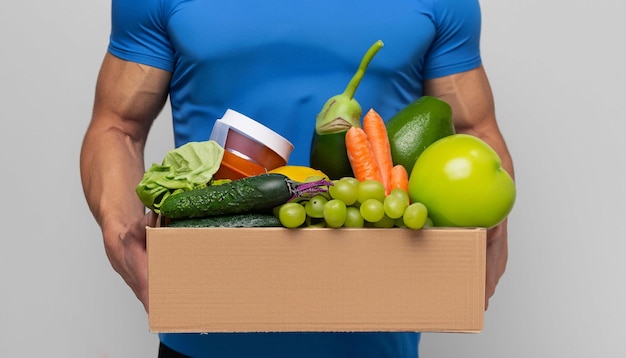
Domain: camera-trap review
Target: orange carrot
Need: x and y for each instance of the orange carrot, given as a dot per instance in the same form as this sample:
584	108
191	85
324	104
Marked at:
374	127
360	155
399	178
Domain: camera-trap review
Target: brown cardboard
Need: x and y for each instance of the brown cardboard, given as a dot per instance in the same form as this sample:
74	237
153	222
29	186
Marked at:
277	279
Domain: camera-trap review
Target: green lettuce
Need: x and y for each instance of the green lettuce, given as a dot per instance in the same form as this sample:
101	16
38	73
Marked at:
190	166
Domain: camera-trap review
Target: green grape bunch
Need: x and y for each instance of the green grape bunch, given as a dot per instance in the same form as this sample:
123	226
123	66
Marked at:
350	203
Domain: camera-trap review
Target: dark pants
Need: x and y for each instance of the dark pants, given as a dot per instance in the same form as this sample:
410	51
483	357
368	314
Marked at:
166	352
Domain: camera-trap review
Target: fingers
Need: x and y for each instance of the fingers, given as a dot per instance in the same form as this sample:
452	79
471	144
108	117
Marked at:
151	218
126	249
497	255
136	258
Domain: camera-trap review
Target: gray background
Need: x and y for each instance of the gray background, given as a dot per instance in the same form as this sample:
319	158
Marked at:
557	70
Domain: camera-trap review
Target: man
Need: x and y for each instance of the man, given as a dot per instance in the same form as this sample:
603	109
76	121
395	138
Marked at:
277	62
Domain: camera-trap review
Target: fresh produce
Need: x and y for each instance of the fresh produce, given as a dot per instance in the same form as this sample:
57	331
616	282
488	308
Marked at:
384	223
455	179
461	181
314	207
369	153
355	205
251	194
299	173
291	215
353	218
415	216
339	113
396	203
374	127
372	210
399	178
361	156
370	189
188	167
417	126
334	213
232	220
344	190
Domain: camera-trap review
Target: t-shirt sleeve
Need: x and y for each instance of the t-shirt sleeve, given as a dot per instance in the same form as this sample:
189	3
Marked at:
456	47
138	33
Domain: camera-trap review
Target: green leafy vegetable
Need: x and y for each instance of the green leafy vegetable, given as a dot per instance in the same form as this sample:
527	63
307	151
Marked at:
190	166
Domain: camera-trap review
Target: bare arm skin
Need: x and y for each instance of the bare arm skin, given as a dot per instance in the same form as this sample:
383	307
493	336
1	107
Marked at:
469	94
128	98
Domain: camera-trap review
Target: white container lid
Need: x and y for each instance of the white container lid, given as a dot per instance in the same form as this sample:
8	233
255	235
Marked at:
252	129
219	133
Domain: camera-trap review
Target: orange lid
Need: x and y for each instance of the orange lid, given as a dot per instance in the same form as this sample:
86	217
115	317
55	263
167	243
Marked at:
235	167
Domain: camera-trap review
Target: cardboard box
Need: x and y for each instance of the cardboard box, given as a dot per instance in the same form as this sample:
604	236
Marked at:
278	280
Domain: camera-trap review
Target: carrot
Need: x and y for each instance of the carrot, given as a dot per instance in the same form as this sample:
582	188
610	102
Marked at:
376	131
399	178
360	155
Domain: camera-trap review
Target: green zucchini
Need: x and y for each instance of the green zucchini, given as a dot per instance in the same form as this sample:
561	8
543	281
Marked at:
232	220
329	154
257	193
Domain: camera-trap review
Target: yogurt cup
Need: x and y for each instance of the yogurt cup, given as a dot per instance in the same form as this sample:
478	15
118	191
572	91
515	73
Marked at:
250	148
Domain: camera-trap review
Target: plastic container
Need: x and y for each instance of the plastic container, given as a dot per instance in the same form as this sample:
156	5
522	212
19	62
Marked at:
250	148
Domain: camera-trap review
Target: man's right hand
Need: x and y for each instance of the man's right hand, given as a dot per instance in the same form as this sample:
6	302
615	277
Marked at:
126	250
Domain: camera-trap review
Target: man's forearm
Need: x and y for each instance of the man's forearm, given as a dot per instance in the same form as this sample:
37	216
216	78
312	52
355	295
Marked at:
111	166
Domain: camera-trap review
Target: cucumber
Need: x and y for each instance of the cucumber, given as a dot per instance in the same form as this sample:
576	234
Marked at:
232	220
257	193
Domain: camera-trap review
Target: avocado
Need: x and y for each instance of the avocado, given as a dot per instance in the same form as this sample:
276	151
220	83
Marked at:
417	126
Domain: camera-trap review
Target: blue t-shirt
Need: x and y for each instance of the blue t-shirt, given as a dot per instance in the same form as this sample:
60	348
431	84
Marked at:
278	62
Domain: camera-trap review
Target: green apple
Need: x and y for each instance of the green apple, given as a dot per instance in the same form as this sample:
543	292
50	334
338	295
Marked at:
461	181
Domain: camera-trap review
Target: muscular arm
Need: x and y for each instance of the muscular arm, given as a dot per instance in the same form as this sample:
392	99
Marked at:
128	98
469	94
